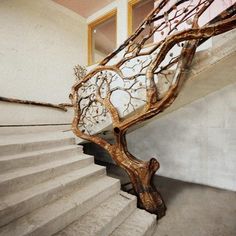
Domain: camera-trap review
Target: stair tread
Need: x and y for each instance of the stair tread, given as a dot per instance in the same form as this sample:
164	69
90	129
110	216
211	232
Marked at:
59	181
44	215
35	169
103	219
38	152
24	145
32	138
20	203
139	223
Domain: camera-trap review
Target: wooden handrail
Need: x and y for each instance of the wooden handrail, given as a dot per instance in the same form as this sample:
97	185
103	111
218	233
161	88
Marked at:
61	106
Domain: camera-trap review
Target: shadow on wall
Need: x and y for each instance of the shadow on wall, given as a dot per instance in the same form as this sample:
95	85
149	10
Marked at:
169	188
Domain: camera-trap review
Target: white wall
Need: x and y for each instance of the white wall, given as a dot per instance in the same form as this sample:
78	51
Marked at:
196	143
40	42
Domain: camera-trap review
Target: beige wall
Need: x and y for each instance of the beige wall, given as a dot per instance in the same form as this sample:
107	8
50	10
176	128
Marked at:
196	143
40	43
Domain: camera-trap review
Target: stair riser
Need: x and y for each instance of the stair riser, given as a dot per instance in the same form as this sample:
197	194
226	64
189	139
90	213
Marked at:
51	195
20	183
27	147
151	229
109	215
61	221
34	160
116	221
140	223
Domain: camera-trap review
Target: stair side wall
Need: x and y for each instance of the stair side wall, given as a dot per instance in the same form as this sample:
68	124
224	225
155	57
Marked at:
196	143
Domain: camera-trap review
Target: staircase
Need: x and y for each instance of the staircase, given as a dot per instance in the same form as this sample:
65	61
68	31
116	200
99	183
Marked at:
48	186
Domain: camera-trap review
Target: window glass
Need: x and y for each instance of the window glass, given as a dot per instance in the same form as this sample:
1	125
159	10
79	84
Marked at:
138	13
103	39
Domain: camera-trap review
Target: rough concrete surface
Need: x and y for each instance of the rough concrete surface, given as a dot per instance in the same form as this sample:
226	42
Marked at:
48	191
192	209
196	143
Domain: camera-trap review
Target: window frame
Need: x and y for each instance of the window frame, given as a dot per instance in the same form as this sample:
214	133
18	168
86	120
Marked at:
91	27
131	4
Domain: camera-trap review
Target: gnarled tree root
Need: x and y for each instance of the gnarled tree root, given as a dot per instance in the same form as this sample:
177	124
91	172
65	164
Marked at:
141	174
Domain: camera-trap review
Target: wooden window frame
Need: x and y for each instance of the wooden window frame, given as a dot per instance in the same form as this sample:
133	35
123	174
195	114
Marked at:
92	25
131	4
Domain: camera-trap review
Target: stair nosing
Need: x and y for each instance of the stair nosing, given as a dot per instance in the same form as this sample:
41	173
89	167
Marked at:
22	155
24	145
48	182
148	228
83	197
79	177
41	167
17	181
38	141
108	224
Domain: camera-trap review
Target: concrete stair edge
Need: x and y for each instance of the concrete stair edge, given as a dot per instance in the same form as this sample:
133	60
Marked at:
16	161
140	223
57	215
18	204
21	179
27	146
48	186
102	220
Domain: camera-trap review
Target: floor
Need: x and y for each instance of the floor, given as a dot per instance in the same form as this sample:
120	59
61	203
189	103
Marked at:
193	210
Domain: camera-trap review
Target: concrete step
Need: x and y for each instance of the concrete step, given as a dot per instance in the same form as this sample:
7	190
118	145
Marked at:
102	220
55	216
140	223
16	205
34	158
19	179
16	146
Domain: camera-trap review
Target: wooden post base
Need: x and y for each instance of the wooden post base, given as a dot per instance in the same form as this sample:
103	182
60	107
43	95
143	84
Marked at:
141	175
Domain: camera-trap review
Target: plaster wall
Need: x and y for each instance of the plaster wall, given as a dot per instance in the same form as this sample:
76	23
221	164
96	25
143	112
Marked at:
196	143
40	43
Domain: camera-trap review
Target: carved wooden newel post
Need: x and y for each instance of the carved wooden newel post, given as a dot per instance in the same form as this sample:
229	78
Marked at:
141	174
139	83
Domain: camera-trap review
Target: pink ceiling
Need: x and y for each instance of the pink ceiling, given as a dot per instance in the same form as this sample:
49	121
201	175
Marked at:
84	8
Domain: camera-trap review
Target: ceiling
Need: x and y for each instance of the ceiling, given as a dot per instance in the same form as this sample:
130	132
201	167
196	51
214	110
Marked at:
84	8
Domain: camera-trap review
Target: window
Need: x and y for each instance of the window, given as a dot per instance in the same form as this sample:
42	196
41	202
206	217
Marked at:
101	37
137	11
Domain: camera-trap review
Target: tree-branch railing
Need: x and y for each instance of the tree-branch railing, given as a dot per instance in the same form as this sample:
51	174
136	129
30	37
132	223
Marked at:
129	78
